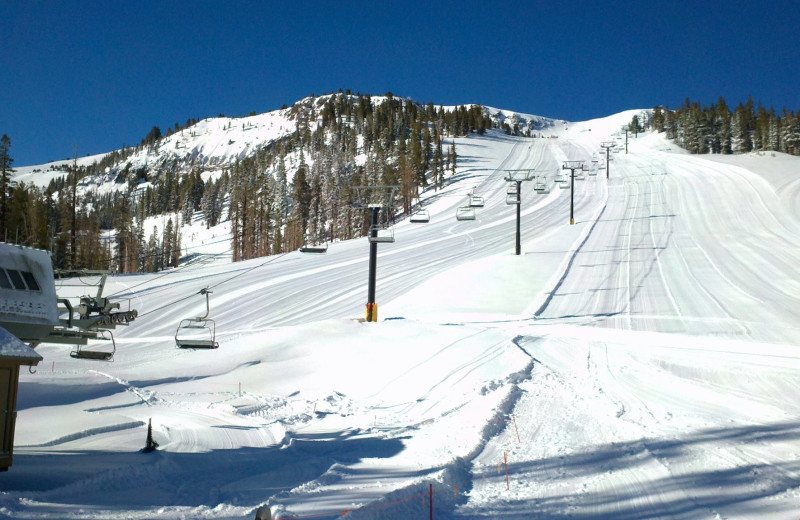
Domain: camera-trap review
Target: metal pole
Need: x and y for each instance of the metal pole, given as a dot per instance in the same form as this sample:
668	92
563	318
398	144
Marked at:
372	314
626	141
571	195
519	203
430	491
608	162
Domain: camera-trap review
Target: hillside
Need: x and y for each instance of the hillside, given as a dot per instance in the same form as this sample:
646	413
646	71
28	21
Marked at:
638	364
279	179
214	143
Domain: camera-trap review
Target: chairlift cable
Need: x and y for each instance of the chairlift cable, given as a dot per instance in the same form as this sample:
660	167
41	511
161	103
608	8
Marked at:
215	285
248	270
167	273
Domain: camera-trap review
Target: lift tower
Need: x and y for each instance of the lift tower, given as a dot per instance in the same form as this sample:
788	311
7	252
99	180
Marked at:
572	166
379	200
607	145
518	177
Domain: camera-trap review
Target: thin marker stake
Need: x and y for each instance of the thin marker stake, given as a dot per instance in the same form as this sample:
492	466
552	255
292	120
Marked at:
505	461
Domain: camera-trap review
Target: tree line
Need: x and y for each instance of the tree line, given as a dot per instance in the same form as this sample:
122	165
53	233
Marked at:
718	129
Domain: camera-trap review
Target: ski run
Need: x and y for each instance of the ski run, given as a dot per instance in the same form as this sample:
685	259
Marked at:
639	364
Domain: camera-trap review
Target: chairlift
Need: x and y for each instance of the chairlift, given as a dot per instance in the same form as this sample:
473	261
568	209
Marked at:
564	185
540	186
465	213
197	332
383	235
475	201
512	189
560	177
310	247
511	199
420	216
81	352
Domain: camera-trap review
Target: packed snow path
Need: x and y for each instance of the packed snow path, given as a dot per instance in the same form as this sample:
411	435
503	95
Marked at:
640	364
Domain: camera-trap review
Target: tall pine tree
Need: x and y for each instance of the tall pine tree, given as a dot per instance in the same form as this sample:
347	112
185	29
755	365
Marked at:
5	183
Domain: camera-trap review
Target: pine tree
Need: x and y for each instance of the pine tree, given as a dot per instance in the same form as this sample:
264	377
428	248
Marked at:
5	183
452	157
302	195
658	119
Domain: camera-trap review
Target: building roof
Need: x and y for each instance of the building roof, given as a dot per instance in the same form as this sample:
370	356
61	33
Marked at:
11	348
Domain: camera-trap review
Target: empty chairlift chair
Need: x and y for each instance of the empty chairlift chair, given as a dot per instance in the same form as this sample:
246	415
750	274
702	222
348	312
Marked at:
309	246
511	194
420	216
197	332
465	213
475	201
99	353
383	234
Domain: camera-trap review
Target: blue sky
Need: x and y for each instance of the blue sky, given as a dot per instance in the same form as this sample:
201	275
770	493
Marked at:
95	75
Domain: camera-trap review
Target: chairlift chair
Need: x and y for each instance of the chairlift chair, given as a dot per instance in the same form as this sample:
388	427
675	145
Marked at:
81	352
475	201
310	247
465	213
564	185
197	332
420	216
383	235
540	186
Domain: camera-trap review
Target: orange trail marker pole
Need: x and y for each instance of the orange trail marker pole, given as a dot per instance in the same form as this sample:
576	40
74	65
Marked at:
515	428
505	461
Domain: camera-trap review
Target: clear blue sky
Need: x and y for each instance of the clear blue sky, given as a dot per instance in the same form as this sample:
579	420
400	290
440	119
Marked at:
95	75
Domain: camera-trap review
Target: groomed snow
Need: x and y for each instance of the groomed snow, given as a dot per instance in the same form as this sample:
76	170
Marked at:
640	364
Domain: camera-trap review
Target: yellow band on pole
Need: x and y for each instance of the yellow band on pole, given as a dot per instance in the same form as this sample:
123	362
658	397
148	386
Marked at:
371	312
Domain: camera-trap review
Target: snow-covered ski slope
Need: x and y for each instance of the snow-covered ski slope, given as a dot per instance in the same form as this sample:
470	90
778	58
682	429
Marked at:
640	364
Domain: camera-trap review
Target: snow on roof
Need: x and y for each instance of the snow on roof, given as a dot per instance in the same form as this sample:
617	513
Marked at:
14	349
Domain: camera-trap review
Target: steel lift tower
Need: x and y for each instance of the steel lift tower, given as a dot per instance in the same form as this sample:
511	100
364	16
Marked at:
572	166
518	177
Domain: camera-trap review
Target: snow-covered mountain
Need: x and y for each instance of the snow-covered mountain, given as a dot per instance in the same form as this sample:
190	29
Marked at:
217	142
